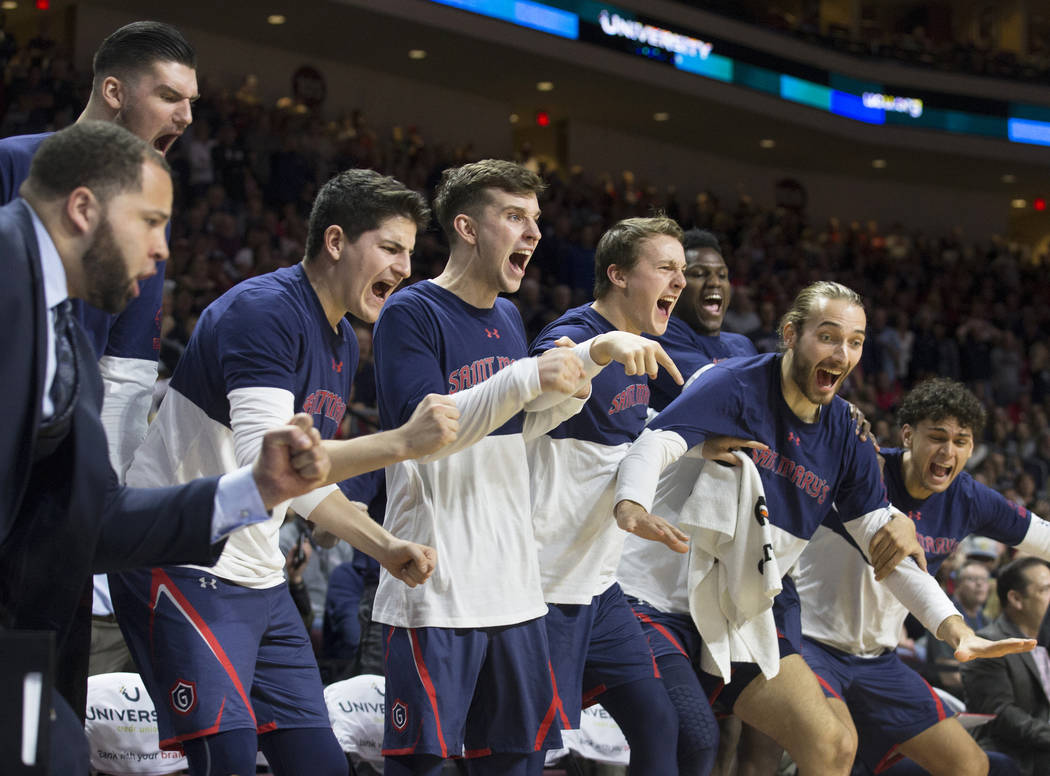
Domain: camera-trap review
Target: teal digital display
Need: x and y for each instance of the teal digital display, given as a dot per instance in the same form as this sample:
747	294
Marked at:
596	23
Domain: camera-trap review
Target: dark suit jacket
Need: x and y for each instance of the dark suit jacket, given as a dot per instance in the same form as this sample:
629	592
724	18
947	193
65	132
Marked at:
66	516
1009	687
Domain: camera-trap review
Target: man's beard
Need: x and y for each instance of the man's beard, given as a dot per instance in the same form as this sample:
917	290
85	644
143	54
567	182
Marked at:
803	372
105	272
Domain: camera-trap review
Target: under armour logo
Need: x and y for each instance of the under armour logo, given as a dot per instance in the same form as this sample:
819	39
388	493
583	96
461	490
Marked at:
793	437
124	692
205	581
915	514
490	333
337	366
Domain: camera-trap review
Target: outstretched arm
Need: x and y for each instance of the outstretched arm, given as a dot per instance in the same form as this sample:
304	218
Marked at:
433	425
639	356
640	468
923	597
894	542
969	646
291	461
633	518
410	562
486	406
181	524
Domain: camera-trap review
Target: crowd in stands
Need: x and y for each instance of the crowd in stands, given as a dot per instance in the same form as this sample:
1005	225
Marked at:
909	44
246	174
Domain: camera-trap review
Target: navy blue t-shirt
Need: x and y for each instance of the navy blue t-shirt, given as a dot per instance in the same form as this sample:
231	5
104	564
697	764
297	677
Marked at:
944	519
691	351
616	410
808	467
132	333
428	340
270	332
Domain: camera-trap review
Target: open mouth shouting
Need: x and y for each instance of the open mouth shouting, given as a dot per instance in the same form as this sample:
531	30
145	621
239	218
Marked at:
382	289
519	260
665	304
711	303
163	143
939	473
827	379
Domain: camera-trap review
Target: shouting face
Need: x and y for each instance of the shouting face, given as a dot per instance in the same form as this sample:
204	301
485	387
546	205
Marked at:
825	350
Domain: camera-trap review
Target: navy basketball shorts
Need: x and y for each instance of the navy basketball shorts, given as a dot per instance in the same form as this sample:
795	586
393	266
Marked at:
470	691
596	647
668	633
216	656
889	702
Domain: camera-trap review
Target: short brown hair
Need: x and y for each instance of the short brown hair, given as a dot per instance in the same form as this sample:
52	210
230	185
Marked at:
621	244
358	201
463	189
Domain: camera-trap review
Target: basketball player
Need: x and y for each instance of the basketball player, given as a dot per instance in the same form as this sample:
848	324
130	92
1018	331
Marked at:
785	409
850	630
467	660
222	650
145	80
694	336
597	645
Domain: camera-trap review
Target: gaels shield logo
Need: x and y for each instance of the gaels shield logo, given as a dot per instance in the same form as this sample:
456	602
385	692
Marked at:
399	715
183	696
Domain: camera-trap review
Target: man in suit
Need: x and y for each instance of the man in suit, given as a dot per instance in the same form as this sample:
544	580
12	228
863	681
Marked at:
145	80
91	226
1016	688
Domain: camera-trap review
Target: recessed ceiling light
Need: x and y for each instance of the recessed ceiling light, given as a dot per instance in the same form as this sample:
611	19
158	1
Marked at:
1018	203
545	86
767	142
878	164
514	118
661	116
276	18
8	5
417	54
1009	178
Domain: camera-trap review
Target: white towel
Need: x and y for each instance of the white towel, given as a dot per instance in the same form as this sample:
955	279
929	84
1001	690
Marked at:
733	570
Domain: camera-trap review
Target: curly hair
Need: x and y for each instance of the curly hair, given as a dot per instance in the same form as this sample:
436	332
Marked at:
940	398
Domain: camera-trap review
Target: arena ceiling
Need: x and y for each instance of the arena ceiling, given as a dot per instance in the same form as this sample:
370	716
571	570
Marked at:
605	88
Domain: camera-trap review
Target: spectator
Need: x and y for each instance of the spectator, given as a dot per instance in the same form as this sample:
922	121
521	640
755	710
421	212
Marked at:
1016	688
971	593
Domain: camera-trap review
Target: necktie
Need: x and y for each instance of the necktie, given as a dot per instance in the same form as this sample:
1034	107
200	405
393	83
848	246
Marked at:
64	386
